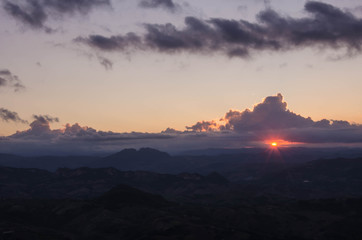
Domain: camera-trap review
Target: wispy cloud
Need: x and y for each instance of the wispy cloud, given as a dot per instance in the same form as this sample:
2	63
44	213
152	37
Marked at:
10	116
7	79
105	62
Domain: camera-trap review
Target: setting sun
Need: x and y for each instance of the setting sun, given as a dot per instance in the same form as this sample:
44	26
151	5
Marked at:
274	144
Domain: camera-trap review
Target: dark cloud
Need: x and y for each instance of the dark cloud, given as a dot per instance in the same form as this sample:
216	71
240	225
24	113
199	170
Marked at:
45	118
73	6
5	72
325	26
114	43
7	79
7	115
166	4
34	13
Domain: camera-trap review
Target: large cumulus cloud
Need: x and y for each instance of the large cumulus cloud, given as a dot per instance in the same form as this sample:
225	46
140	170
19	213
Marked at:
272	119
326	26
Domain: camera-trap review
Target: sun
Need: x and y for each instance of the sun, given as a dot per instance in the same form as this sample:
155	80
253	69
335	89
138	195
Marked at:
274	144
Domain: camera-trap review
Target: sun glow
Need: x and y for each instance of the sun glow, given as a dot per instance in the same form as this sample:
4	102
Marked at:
275	143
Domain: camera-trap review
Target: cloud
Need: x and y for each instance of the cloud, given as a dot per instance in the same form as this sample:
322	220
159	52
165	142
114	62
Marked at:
35	13
272	119
40	139
171	131
166	4
7	79
40	127
325	26
45	118
114	43
7	115
269	120
272	113
105	62
203	126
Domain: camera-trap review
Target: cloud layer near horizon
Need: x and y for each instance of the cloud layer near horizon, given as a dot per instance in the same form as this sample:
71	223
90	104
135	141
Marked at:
326	26
268	120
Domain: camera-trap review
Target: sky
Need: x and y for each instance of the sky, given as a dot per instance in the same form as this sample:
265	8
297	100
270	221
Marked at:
172	74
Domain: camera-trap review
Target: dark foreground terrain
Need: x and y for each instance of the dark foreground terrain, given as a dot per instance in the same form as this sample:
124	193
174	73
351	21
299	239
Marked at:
128	213
319	199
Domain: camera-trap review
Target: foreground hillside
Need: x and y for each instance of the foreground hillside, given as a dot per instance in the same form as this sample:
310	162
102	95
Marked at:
127	213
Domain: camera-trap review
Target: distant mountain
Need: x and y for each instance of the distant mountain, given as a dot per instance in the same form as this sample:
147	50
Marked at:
237	166
50	163
144	159
142	153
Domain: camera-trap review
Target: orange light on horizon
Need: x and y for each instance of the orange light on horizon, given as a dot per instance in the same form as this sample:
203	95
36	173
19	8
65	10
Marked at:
276	143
